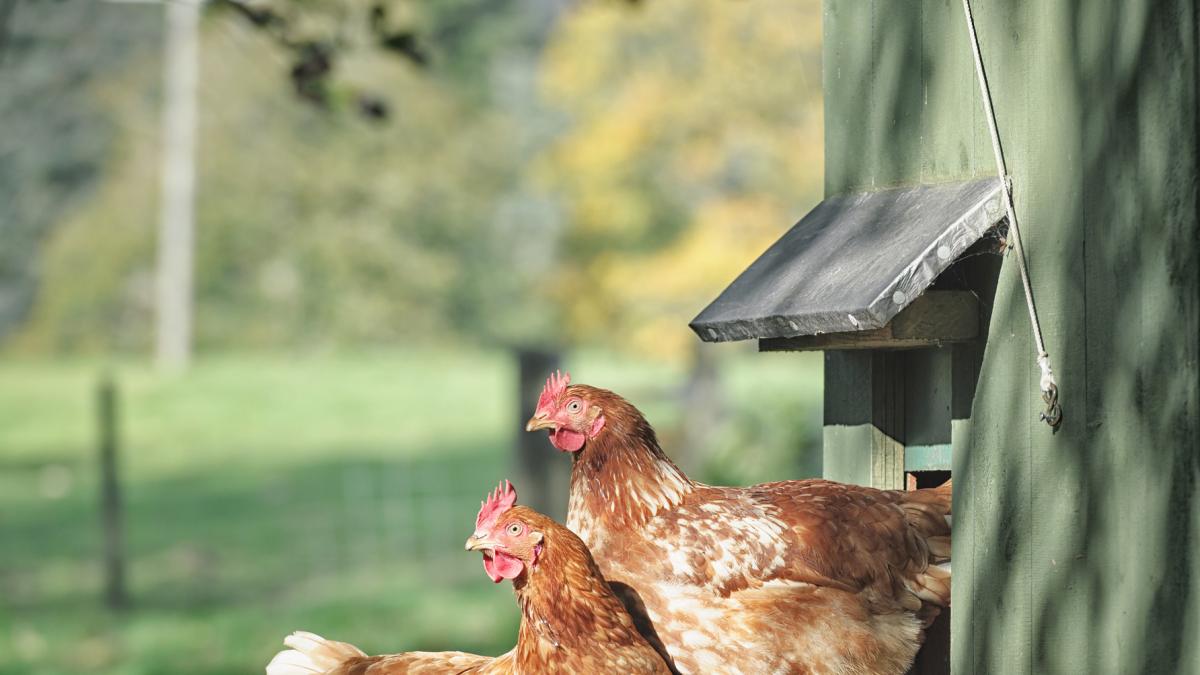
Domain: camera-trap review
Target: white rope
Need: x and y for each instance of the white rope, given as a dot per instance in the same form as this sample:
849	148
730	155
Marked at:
1047	383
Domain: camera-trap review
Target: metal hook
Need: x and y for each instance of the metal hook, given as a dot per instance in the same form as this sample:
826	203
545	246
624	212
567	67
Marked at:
1053	413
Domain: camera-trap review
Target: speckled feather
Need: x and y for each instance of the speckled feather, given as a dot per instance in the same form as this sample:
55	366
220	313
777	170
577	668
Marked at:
803	576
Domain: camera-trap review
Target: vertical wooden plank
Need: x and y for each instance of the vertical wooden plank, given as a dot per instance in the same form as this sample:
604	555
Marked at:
847	73
992	494
864	418
980	274
1170	384
847	441
949	103
1138	213
1162	123
895	97
928	385
994	476
1048	149
1103	291
887	423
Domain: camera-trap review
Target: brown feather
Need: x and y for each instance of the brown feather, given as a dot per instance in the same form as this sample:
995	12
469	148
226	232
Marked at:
778	577
571	622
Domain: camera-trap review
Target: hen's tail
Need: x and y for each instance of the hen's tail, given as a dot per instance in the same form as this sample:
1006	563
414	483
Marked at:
311	654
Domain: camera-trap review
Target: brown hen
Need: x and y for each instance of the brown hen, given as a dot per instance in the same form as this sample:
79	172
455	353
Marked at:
571	622
804	576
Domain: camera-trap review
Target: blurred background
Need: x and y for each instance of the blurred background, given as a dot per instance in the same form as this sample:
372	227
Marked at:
398	215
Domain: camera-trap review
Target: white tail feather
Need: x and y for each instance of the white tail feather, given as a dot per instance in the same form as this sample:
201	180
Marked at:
311	654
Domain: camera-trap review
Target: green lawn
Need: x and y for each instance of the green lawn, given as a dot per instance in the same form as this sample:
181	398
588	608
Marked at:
328	492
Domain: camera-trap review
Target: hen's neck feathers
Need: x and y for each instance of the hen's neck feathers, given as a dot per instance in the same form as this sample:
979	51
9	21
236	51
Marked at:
563	601
621	478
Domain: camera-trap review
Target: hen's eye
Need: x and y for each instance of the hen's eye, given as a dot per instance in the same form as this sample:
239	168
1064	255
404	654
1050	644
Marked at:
514	529
574	406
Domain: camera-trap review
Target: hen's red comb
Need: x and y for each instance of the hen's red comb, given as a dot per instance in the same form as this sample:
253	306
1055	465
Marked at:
501	500
556	384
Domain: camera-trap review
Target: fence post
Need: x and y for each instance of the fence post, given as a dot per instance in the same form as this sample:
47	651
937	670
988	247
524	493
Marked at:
545	478
111	524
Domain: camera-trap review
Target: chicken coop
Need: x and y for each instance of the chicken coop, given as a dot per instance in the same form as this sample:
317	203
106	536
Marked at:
1075	528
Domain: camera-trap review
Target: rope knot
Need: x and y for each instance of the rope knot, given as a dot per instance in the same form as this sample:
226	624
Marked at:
1049	386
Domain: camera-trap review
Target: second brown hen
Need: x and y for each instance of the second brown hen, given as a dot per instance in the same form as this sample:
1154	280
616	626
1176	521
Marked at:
570	620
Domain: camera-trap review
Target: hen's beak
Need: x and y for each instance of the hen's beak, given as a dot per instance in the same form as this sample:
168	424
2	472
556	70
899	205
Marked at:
476	543
539	422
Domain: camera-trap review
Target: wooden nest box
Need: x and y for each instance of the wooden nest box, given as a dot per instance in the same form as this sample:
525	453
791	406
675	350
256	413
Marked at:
874	280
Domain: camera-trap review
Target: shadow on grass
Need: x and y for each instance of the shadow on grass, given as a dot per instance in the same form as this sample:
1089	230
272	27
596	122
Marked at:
368	549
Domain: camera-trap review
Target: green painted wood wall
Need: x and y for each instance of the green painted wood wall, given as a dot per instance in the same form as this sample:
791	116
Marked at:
1075	552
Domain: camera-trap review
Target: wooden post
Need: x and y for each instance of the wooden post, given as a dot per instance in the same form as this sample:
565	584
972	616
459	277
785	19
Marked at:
544	474
702	406
864	418
111	524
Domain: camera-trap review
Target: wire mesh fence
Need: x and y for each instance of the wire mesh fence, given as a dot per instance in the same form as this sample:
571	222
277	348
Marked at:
362	522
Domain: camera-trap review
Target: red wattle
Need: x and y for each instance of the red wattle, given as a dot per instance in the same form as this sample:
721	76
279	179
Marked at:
500	566
566	440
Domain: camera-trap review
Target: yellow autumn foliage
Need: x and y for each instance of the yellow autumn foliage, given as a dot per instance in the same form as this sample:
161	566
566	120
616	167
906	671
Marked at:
694	141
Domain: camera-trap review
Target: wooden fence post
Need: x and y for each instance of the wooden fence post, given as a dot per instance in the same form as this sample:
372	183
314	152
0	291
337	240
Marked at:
112	527
543	476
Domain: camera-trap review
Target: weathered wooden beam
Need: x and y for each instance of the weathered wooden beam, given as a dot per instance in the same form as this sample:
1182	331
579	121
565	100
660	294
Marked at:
935	318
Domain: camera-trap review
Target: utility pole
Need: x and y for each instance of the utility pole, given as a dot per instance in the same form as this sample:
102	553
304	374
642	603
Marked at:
176	234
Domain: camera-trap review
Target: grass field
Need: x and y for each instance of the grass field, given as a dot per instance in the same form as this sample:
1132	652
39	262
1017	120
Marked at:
266	494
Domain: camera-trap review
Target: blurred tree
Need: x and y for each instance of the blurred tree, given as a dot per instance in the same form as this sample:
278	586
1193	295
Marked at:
544	173
56	139
694	141
316	33
461	38
314	225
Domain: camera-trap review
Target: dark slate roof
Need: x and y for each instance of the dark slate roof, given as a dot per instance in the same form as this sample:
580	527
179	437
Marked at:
853	262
